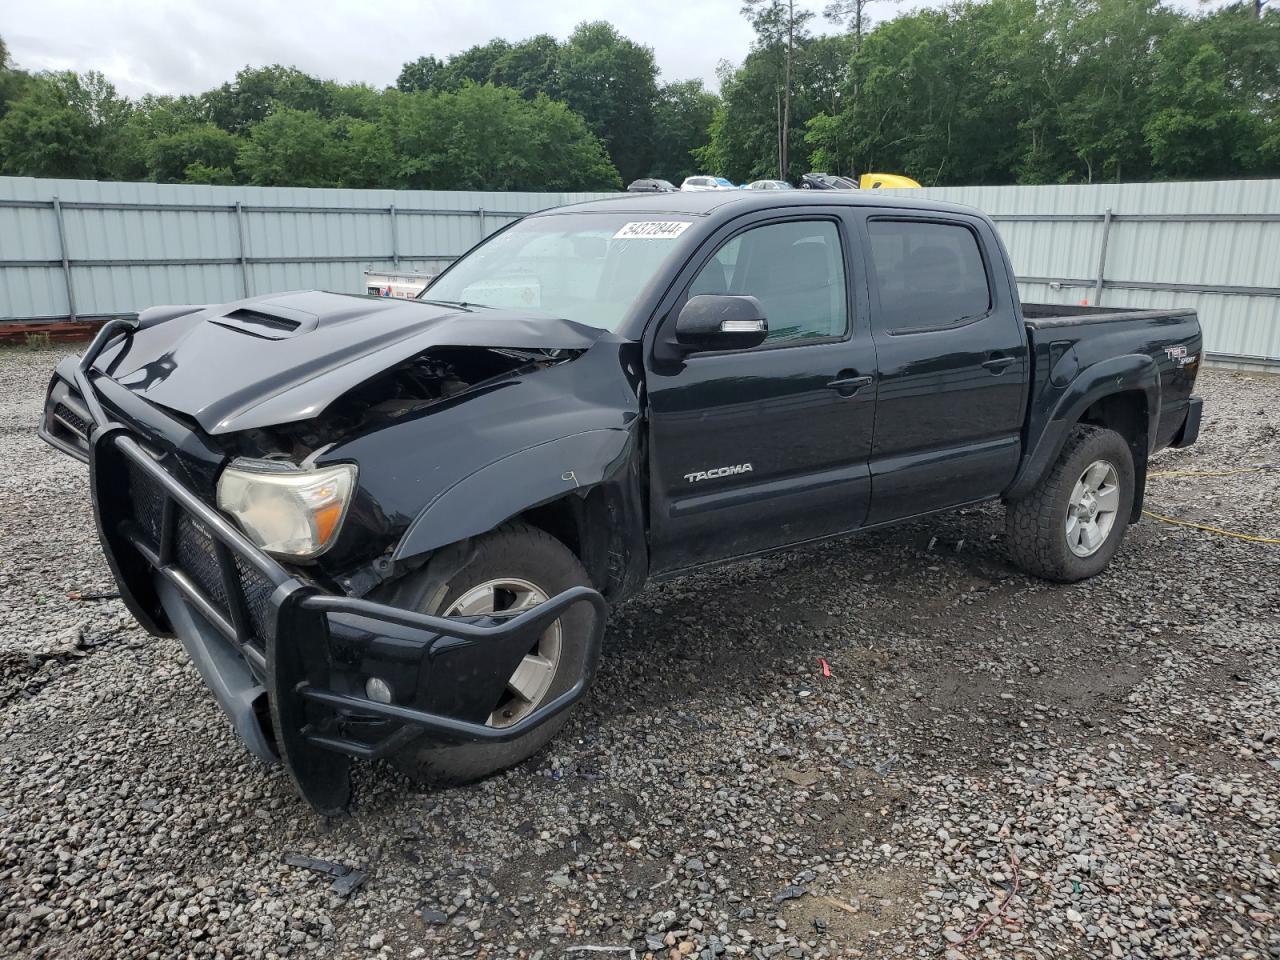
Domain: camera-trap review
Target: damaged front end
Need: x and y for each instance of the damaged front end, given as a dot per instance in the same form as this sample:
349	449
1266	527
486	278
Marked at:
289	657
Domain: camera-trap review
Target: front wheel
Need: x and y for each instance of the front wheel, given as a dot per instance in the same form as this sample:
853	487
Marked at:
511	569
1071	524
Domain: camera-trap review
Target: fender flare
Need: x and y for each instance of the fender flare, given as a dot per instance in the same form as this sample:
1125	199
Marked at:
1130	372
516	483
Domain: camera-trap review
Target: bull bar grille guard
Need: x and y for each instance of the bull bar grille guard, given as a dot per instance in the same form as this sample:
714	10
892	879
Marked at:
293	658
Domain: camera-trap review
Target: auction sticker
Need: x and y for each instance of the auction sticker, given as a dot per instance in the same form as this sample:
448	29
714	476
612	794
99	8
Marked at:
652	230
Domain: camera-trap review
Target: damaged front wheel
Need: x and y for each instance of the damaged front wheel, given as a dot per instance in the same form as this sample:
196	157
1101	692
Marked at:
510	570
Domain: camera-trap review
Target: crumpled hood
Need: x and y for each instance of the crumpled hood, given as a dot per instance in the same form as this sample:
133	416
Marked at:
285	357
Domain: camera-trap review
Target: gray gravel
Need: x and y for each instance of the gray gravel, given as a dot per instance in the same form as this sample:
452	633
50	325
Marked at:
1093	770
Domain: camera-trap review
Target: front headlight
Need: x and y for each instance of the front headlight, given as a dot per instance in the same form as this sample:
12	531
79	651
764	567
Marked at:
287	511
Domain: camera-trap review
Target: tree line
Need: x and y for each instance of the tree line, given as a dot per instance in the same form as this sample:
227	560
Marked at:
535	115
1008	91
999	91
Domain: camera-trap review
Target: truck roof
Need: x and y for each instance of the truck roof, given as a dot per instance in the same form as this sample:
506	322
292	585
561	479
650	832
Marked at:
705	203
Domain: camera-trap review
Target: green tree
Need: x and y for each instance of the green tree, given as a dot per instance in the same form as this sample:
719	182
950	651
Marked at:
1199	130
425	73
682	121
972	93
613	83
475	64
779	26
207	150
295	148
1109	91
66	125
743	138
531	66
13	82
490	138
257	91
743	141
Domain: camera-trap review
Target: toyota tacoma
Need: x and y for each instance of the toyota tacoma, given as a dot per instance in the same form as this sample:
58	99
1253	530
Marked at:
390	528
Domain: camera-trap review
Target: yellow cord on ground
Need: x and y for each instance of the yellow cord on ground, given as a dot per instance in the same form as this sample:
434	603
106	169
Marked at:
1203	473
1200	526
1218	530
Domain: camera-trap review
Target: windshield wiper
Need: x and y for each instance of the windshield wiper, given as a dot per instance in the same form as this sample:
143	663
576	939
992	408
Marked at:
449	303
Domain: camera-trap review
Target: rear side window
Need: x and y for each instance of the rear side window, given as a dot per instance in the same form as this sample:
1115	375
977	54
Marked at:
929	274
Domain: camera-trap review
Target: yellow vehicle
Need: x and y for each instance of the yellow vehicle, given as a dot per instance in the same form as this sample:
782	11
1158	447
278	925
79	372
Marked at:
885	181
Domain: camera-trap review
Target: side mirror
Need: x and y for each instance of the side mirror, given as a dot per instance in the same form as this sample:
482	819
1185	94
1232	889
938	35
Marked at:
721	322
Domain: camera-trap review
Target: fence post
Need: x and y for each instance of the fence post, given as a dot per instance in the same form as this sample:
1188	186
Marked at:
66	261
480	212
395	241
1102	258
244	251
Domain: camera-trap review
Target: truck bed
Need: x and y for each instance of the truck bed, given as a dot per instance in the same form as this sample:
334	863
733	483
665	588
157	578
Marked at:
1155	352
1041	316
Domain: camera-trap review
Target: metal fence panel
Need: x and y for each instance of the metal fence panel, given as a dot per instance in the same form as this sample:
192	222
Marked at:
83	248
98	249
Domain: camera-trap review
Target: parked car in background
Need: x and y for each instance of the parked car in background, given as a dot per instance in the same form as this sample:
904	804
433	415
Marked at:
651	185
391	528
706	183
826	181
886	181
868	181
769	185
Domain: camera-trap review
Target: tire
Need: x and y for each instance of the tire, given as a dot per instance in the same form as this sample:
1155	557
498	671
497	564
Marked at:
515	551
1040	536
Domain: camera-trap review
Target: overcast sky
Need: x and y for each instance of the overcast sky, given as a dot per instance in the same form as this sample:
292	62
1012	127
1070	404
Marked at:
172	46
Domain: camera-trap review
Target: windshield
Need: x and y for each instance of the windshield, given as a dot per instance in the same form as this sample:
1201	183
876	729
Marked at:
584	267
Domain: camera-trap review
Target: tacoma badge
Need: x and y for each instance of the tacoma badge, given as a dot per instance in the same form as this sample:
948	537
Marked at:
717	472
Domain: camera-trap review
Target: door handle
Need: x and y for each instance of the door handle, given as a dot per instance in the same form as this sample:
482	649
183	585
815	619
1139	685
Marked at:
848	386
997	364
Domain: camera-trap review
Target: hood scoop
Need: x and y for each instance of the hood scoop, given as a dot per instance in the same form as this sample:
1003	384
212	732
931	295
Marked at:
270	322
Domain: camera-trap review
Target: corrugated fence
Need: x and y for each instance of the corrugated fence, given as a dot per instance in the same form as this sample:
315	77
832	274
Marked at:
1212	245
83	249
88	249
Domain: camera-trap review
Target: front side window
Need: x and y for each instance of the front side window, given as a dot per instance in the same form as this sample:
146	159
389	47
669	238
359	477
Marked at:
795	270
930	275
585	267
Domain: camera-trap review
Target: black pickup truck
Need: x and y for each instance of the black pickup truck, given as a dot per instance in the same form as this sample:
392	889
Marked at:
388	528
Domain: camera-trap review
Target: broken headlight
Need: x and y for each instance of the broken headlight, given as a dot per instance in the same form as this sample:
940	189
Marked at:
286	510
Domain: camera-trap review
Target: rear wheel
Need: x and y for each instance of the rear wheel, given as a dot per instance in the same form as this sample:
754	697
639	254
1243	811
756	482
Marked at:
512	569
1072	523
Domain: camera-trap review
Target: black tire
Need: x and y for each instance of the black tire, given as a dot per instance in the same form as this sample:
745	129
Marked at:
527	553
1036	524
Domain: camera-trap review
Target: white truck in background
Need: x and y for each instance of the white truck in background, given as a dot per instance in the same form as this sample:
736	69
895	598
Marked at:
402	286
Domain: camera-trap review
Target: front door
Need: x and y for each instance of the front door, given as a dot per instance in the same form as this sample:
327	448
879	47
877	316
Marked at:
758	448
953	365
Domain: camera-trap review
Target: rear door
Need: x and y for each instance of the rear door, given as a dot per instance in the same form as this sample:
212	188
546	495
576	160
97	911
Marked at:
953	364
754	449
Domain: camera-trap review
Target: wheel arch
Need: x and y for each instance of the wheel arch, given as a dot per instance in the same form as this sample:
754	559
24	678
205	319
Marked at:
1128	413
584	490
1121	394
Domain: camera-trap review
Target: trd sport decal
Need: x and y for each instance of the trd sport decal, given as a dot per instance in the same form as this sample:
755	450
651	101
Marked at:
717	472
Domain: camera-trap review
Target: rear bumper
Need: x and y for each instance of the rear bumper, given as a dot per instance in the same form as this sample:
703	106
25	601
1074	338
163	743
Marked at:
1190	430
286	660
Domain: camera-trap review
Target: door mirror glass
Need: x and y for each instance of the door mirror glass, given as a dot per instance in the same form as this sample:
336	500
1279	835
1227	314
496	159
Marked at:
721	322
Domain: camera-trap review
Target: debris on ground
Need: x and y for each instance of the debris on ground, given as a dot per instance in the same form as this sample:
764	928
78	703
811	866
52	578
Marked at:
346	881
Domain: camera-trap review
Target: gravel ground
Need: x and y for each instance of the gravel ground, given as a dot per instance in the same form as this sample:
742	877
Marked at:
995	767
